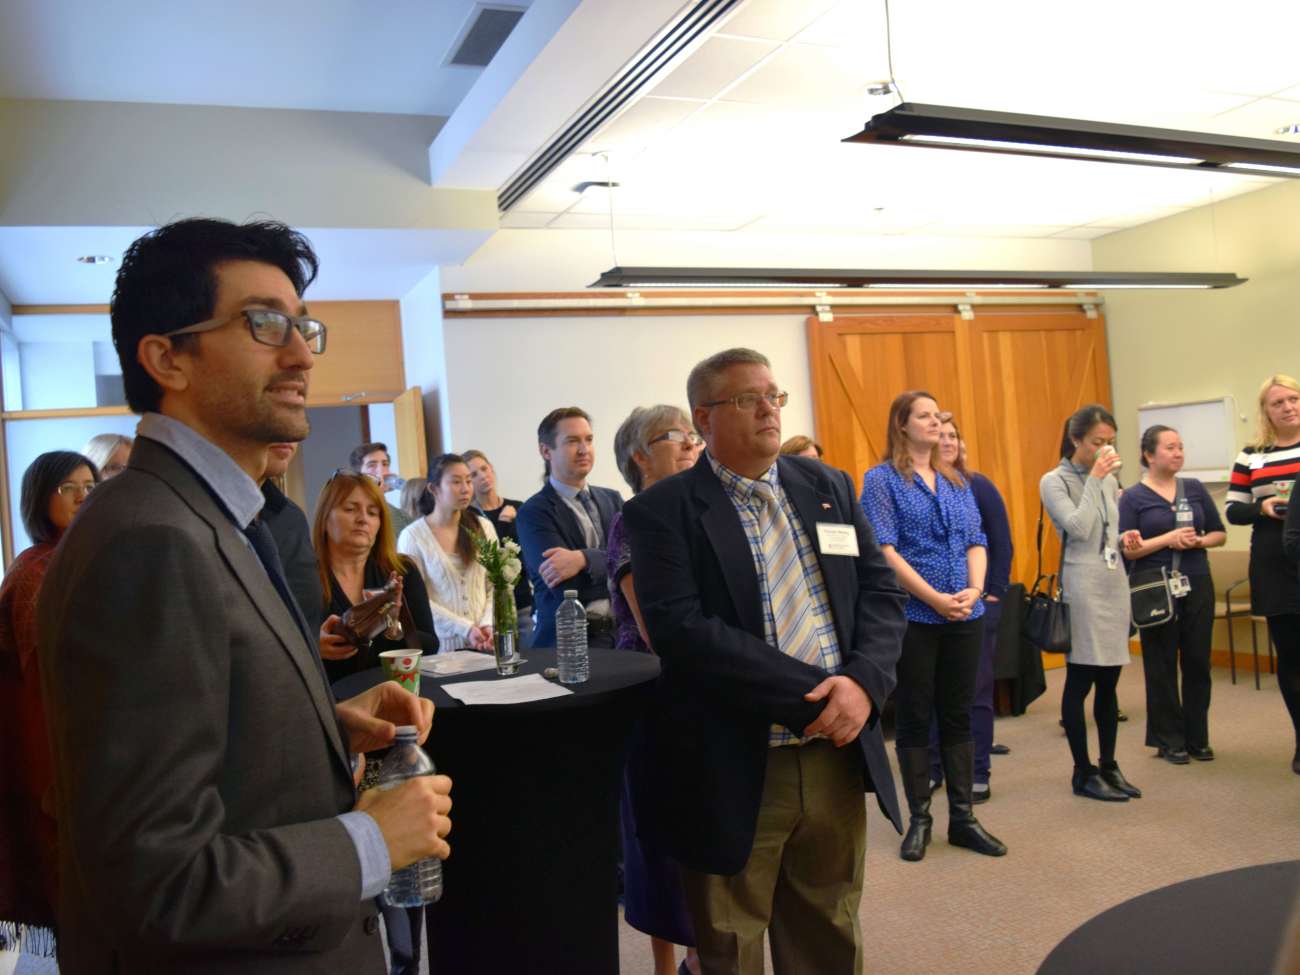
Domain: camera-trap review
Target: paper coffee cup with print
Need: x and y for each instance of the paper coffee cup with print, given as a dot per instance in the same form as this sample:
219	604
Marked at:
402	666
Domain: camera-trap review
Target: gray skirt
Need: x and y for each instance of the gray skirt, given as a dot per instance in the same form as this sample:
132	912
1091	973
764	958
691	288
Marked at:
1099	613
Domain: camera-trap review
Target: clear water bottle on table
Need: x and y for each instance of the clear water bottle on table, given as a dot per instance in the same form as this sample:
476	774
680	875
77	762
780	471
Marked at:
571	640
421	882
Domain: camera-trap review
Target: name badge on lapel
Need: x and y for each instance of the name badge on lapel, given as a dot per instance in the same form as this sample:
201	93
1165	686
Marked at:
835	539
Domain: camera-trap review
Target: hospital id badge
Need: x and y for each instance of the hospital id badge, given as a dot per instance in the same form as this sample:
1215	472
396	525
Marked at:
1179	585
1111	556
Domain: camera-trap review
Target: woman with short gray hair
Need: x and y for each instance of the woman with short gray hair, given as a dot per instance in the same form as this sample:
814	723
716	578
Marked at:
109	452
653	443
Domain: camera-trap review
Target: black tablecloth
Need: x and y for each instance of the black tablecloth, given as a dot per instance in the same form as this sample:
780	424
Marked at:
531	885
1226	922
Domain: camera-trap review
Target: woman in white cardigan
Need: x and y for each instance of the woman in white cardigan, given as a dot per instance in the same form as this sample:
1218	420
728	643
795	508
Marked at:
442	543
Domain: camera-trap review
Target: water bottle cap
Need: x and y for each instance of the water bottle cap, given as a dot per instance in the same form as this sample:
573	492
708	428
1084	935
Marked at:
408	731
570	594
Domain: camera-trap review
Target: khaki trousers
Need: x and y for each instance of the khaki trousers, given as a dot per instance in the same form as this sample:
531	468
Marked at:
803	880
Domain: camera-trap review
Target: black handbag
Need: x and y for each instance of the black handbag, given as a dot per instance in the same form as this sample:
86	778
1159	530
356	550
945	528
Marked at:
1151	601
1046	616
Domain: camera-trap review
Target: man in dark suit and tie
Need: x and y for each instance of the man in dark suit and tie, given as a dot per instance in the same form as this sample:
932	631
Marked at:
779	625
564	529
208	817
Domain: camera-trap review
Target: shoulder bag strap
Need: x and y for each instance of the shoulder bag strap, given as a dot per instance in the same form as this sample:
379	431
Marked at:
1178	496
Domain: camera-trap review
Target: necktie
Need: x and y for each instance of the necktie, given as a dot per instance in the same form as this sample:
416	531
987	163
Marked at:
792	605
589	505
263	543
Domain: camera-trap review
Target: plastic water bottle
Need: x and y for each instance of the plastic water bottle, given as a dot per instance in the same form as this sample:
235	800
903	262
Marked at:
1183	515
571	640
421	882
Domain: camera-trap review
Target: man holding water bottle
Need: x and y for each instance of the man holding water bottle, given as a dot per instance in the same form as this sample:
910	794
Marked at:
208	816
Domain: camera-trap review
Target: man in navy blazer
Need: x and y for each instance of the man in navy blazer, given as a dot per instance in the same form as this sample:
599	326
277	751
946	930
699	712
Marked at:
564	529
765	729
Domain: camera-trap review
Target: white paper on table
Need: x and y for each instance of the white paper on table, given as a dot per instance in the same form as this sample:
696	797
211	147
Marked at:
456	662
514	690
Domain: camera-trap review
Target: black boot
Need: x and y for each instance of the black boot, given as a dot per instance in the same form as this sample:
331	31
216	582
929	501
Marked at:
1087	782
1114	778
914	764
963	828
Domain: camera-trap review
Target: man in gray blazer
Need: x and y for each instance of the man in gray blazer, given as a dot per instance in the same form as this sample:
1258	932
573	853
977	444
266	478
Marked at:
208	817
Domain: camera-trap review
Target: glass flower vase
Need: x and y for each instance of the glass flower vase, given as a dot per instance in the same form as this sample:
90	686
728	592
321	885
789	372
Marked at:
505	629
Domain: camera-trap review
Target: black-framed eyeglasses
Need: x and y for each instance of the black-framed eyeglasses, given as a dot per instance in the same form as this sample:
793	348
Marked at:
267	326
679	437
70	489
748	402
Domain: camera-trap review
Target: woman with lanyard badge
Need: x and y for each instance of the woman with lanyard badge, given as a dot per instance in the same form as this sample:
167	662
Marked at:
1079	495
1175	521
928	526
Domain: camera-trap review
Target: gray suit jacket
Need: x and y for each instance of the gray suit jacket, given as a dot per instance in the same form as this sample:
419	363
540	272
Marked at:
198	763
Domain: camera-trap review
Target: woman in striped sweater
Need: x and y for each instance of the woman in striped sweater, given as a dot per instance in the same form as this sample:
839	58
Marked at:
1262	471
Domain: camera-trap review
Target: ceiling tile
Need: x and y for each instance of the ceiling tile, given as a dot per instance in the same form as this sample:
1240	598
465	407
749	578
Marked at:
807	75
1258	120
526	220
776	20
649	221
717	63
956	228
1084	233
641	124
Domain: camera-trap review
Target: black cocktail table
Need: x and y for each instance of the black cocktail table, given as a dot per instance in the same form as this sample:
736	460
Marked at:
531	885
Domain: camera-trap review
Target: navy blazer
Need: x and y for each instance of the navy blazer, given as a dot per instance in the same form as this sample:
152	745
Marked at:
546	521
722	685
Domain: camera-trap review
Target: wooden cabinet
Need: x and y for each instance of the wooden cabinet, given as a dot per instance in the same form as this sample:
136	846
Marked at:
363	353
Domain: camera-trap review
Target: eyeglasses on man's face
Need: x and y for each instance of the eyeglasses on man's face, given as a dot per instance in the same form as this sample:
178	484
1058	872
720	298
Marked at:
748	402
679	437
267	326
75	489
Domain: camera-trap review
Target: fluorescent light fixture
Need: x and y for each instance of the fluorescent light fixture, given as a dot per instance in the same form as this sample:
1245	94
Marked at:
902	280
1291	171
975	130
1027	148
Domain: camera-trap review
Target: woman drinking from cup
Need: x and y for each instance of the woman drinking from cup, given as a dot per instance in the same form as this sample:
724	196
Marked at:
1079	495
353	539
1163	518
1262	476
443	545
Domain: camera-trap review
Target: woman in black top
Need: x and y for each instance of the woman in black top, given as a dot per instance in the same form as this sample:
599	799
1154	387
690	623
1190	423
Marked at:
1262	470
1151	509
353	538
501	512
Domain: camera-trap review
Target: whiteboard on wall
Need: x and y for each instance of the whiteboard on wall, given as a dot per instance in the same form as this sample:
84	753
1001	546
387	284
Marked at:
1208	430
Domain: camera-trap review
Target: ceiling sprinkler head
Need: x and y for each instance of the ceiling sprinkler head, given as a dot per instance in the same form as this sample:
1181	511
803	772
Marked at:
94	259
1291	129
878	88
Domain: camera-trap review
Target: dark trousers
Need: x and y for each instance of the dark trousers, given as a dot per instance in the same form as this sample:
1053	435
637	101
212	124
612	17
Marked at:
936	674
981	705
1172	724
404	928
1285	631
1079	680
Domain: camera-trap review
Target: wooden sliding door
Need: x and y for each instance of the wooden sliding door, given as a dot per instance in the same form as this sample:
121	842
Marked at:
1010	376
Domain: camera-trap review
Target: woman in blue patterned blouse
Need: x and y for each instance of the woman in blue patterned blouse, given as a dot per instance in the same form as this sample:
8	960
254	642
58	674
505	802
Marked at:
928	527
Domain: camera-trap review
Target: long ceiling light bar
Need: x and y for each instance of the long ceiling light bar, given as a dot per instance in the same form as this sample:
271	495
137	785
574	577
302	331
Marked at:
975	130
818	278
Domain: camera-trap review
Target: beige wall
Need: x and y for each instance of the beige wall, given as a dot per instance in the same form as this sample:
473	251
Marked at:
1171	346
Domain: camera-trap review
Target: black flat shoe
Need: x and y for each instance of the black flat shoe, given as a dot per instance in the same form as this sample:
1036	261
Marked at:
1174	756
1295	762
999	750
978	795
1205	754
1089	784
1114	778
1122	716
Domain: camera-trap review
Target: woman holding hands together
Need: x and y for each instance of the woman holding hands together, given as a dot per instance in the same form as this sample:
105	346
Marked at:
928	526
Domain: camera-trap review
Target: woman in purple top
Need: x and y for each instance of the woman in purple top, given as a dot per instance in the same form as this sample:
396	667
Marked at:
928	527
1179	730
653	443
997	531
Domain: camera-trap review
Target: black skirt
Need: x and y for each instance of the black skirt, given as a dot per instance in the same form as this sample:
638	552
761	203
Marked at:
1274	586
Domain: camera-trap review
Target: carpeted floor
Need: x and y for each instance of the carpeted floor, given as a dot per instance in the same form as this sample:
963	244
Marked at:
1071	858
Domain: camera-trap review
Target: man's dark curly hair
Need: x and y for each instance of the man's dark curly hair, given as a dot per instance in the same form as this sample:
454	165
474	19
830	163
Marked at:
168	280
